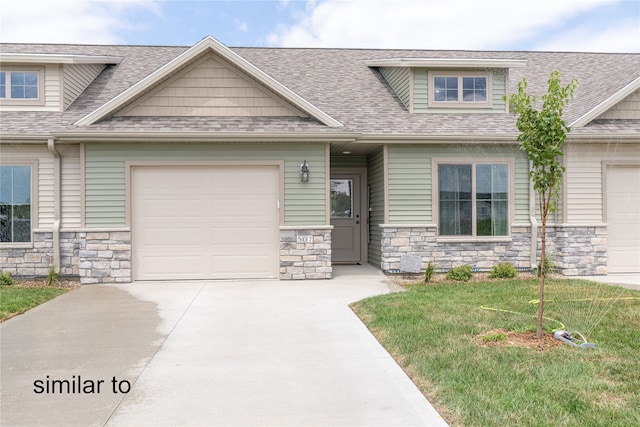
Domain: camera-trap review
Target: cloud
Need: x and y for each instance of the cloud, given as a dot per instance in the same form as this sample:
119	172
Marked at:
72	21
450	24
241	26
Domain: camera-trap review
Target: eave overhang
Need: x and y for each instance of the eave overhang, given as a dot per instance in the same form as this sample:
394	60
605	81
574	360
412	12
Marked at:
457	63
43	58
205	136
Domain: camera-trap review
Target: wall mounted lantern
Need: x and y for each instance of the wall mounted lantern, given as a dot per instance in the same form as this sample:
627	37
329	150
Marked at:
304	172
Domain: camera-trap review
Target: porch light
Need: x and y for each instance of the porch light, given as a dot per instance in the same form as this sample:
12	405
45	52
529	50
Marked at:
304	172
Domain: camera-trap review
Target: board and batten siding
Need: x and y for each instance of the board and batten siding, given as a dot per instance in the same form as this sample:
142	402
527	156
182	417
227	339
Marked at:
627	109
400	82
421	94
584	178
375	178
210	87
70	181
76	78
304	202
411	186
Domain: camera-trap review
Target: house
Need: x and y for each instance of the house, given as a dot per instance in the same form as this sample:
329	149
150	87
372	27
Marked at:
123	163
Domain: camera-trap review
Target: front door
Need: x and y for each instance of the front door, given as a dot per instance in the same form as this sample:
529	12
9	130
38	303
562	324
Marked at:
346	218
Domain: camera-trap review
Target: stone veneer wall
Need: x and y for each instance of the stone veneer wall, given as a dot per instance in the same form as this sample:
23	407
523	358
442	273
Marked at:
305	253
36	260
105	257
580	250
577	250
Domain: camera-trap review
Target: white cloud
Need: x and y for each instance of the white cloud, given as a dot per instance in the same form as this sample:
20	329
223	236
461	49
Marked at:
624	36
241	26
449	24
71	21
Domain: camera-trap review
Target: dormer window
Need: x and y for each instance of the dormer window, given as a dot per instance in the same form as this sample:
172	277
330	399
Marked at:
459	89
21	85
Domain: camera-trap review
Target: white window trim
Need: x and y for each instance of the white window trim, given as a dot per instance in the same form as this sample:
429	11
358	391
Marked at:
33	163
22	101
460	104
435	197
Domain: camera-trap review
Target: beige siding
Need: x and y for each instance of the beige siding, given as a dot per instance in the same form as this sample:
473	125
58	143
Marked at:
421	94
304	202
50	91
628	108
375	176
410	178
399	80
584	178
210	87
70	181
76	79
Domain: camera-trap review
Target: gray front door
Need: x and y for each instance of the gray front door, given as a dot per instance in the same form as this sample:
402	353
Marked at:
346	218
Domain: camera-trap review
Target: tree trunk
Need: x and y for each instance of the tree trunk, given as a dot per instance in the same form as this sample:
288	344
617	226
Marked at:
542	274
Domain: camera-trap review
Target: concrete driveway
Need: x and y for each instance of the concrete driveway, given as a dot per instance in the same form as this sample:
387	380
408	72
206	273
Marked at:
268	353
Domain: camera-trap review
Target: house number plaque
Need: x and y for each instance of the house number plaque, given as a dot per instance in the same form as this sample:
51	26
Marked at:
304	239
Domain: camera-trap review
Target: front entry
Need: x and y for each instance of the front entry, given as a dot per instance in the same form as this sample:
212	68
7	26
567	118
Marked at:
346	218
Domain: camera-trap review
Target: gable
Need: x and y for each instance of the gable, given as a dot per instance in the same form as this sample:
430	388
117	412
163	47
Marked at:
627	109
210	86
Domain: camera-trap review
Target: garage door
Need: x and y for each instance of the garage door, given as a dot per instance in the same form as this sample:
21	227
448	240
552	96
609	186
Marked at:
623	216
205	222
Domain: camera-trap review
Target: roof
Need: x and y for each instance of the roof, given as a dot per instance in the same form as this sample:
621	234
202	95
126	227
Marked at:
340	83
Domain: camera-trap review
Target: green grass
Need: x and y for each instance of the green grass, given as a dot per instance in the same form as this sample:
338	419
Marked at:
430	331
15	299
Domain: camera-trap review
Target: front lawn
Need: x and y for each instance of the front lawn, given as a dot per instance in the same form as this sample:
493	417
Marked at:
455	342
17	299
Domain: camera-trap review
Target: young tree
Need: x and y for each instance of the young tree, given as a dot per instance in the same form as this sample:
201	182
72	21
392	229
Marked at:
542	135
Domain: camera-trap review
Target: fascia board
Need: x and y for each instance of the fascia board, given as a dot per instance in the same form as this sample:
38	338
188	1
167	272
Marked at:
448	63
435	138
607	104
27	58
204	136
207	43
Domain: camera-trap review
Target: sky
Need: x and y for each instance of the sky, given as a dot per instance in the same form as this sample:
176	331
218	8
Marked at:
547	25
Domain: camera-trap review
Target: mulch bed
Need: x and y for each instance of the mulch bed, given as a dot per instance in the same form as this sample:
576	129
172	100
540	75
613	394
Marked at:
42	283
516	339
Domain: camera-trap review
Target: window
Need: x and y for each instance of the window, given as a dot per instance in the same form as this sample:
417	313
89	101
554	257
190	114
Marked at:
20	85
15	203
341	198
473	199
459	90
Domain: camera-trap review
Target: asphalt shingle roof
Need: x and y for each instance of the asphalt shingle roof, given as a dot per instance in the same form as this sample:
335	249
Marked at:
337	81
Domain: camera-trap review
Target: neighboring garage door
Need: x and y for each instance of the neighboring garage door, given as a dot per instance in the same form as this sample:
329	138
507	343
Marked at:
205	222
623	216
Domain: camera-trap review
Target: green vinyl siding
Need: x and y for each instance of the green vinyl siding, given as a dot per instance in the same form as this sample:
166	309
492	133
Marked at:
400	82
421	94
409	184
410	178
304	202
375	177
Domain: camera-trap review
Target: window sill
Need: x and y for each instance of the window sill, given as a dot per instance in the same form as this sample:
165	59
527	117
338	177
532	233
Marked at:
472	239
16	245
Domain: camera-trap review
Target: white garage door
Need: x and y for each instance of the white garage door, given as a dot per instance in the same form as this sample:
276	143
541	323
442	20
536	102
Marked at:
623	216
205	222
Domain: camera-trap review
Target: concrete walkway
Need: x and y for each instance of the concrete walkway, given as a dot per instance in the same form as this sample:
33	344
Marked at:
268	353
630	281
